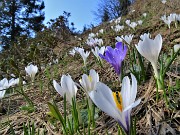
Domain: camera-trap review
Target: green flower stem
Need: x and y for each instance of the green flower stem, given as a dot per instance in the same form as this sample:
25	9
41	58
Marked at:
142	67
91	111
157	93
85	68
79	115
32	80
75	114
121	72
89	102
160	84
21	92
131	61
169	64
100	62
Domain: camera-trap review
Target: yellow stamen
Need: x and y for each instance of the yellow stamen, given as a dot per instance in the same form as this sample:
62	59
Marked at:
80	80
118	100
90	78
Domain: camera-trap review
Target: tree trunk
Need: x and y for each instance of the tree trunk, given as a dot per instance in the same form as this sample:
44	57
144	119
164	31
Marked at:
13	17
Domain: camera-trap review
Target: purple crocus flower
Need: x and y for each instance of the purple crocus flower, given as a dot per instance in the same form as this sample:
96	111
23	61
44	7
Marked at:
115	56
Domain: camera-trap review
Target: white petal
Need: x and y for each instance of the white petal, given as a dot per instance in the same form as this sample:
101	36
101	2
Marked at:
132	105
4	83
103	99
125	91
133	88
58	88
63	83
71	88
2	92
11	82
176	47
101	51
158	43
86	84
95	78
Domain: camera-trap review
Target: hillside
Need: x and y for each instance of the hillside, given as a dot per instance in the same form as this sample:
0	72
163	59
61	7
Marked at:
25	106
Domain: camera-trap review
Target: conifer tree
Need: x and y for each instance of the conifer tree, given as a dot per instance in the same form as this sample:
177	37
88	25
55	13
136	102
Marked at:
20	17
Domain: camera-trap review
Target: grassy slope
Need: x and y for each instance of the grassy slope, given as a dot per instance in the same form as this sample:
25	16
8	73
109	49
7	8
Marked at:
152	117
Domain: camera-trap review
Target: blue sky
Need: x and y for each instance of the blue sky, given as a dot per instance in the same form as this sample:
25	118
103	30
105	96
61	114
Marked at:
81	11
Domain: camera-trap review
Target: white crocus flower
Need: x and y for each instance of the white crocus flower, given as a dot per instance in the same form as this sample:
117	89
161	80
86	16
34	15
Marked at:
127	38
91	41
96	51
13	82
150	49
144	14
101	50
78	49
168	22
67	87
132	11
31	70
4	83
96	40
143	36
12	75
118	28
101	31
128	22
91	35
178	17
100	42
163	1
117	104
72	52
79	39
176	47
163	17
55	61
88	83
118	39
118	20
84	55
2	92
24	82
3	86
133	25
140	22
172	17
